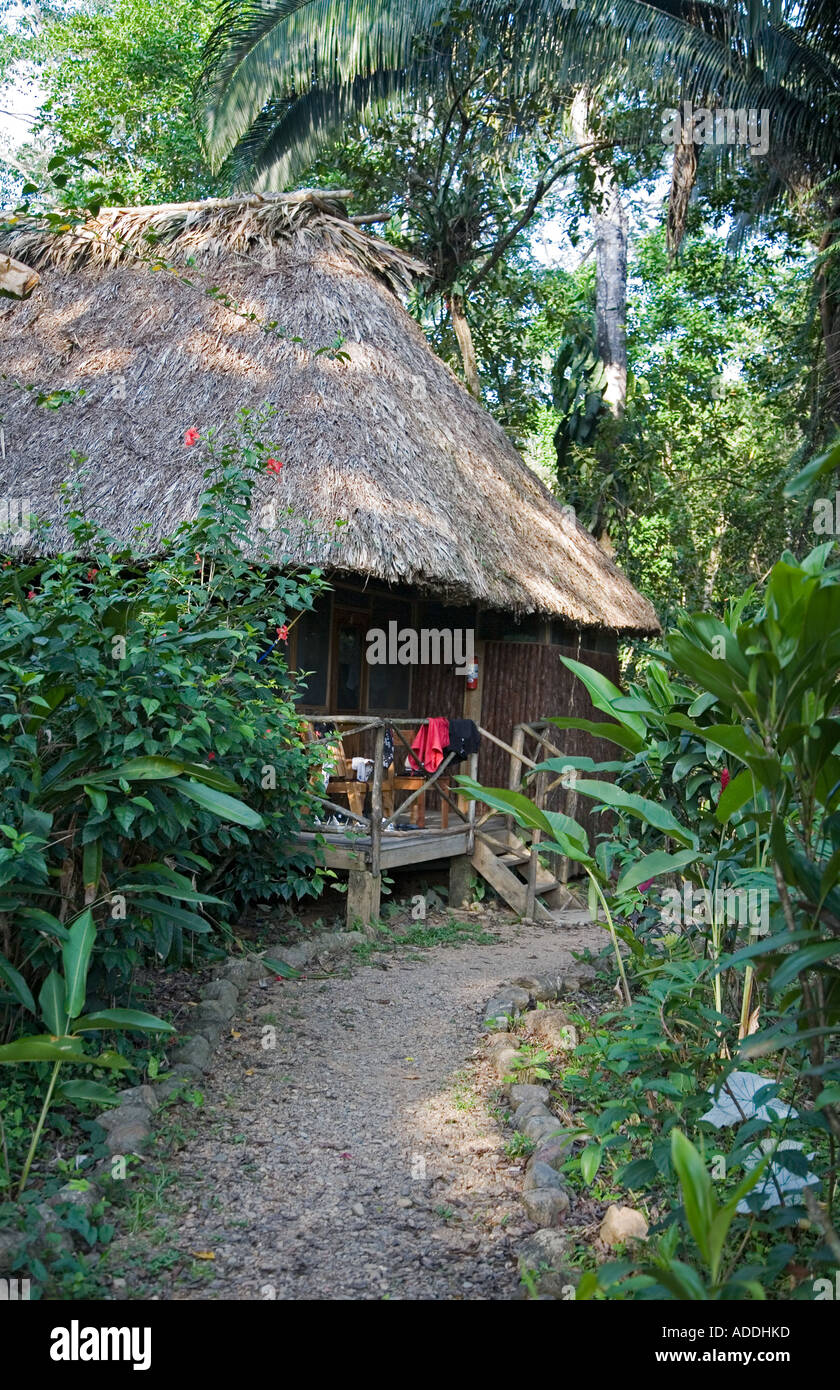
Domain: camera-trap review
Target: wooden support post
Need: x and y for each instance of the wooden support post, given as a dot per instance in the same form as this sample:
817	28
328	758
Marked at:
376	801
473	766
534	859
460	881
364	891
515	776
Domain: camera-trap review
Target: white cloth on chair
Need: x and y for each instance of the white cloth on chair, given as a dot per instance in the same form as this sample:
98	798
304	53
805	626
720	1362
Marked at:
363	767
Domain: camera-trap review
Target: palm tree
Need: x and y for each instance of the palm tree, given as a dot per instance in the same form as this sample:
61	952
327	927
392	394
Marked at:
282	77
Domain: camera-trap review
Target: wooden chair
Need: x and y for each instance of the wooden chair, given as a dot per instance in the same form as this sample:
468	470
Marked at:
342	780
411	782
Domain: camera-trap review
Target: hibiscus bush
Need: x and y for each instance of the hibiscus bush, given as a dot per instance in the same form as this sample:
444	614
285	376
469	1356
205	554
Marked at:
152	769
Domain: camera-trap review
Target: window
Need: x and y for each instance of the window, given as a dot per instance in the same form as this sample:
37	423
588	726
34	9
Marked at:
313	654
389	686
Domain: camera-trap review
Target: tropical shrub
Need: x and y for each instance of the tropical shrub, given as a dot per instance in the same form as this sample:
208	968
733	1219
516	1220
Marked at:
719	871
153	770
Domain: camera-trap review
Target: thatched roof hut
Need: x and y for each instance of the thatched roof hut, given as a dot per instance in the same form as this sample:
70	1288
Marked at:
159	315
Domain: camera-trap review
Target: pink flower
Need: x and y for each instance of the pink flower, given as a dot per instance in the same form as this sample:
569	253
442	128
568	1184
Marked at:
191	436
724	779
31	593
283	633
273	466
92	573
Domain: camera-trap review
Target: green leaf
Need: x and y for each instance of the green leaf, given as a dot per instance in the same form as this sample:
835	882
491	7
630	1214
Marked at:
17	984
190	920
613	733
590	1162
226	807
604	694
76	957
122	1019
44	1048
92	864
650	811
287	972
735	794
697	1194
52	1003
817	468
652	865
92	1092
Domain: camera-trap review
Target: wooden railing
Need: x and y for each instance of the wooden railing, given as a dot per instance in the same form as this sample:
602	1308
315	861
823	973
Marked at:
377	822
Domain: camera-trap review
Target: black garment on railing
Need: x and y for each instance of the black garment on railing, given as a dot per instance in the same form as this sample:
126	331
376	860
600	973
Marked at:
464	739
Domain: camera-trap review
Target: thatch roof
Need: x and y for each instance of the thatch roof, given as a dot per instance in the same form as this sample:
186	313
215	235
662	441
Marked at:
432	491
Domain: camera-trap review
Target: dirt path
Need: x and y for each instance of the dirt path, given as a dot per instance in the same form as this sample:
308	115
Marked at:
358	1159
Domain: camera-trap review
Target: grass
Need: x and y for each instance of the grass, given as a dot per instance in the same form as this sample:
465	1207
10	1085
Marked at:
424	935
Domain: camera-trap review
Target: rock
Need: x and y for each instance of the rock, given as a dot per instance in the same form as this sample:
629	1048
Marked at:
212	1011
502	1040
544	1255
528	1107
504	1059
53	1236
84	1197
194	1051
128	1137
519	1093
546	1206
552	1028
504	1005
209	1030
542	1175
552	1152
539	1127
139	1095
579	977
237	971
622	1224
177	1078
11	1244
550	987
224	991
123	1115
527	982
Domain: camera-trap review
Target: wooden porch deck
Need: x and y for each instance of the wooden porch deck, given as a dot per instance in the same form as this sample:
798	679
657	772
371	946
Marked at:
509	860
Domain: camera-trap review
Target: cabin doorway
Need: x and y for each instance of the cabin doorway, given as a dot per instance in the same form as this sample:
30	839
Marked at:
350	627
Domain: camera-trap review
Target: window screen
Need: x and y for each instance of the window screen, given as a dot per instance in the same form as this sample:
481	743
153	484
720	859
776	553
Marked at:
313	654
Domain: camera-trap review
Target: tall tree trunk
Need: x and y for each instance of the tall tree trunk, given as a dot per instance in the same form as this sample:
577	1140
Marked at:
683	176
828	281
466	346
609	222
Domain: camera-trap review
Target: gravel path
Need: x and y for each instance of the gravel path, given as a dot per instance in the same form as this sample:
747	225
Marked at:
357	1158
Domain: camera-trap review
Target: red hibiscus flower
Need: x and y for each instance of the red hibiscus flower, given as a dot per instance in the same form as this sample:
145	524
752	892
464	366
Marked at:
273	466
724	779
191	437
283	633
92	573
31	593
210	757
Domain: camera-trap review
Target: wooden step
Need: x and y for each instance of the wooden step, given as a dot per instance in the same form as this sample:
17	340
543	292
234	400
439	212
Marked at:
510	888
511	857
548	885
